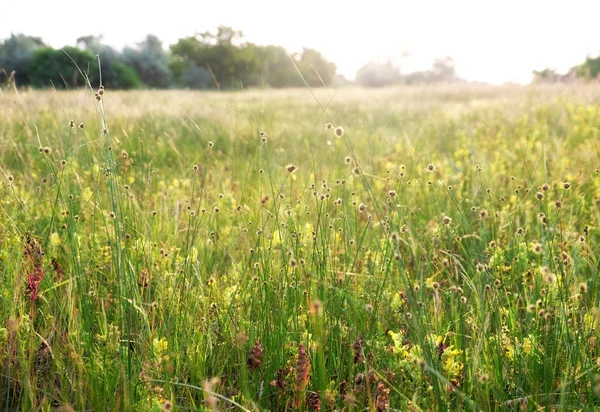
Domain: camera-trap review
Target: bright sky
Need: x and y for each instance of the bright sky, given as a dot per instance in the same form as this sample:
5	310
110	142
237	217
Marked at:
491	41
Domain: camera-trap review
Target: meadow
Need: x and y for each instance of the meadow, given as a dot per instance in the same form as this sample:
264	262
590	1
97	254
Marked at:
412	248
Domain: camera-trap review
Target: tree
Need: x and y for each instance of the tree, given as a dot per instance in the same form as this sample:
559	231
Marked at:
16	54
443	70
378	74
589	69
316	70
222	54
275	67
546	76
195	77
61	67
150	61
115	73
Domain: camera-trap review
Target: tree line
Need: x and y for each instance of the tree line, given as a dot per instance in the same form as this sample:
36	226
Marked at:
589	70
219	59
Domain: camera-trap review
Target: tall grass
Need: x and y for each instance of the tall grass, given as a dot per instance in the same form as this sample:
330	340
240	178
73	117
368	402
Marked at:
438	253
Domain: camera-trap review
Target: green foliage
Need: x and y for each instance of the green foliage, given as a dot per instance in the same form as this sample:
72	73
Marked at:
234	63
61	68
229	63
590	69
316	70
587	71
115	73
16	54
219	59
151	62
123	77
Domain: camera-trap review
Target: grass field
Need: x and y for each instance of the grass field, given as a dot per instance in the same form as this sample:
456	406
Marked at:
178	250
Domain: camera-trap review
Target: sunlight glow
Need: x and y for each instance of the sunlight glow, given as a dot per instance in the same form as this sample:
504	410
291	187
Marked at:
494	42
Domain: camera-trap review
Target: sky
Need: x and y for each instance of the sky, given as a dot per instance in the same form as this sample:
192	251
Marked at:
490	41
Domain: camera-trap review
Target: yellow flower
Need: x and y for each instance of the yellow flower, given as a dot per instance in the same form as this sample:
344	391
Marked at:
54	239
451	365
527	346
397	339
510	351
160	346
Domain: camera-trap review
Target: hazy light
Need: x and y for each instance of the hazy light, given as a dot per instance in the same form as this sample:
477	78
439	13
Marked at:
489	41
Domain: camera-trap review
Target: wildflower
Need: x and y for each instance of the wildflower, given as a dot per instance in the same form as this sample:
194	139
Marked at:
549	277
566	185
81	126
347	159
316	308
313	401
291	168
302	369
430	167
356	170
256	356
382	401
210	144
160	346
211	401
339	131
34	255
329	126
447	220
358	348
539	195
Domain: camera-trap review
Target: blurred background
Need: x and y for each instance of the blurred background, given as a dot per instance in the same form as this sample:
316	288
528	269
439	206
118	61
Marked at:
276	44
